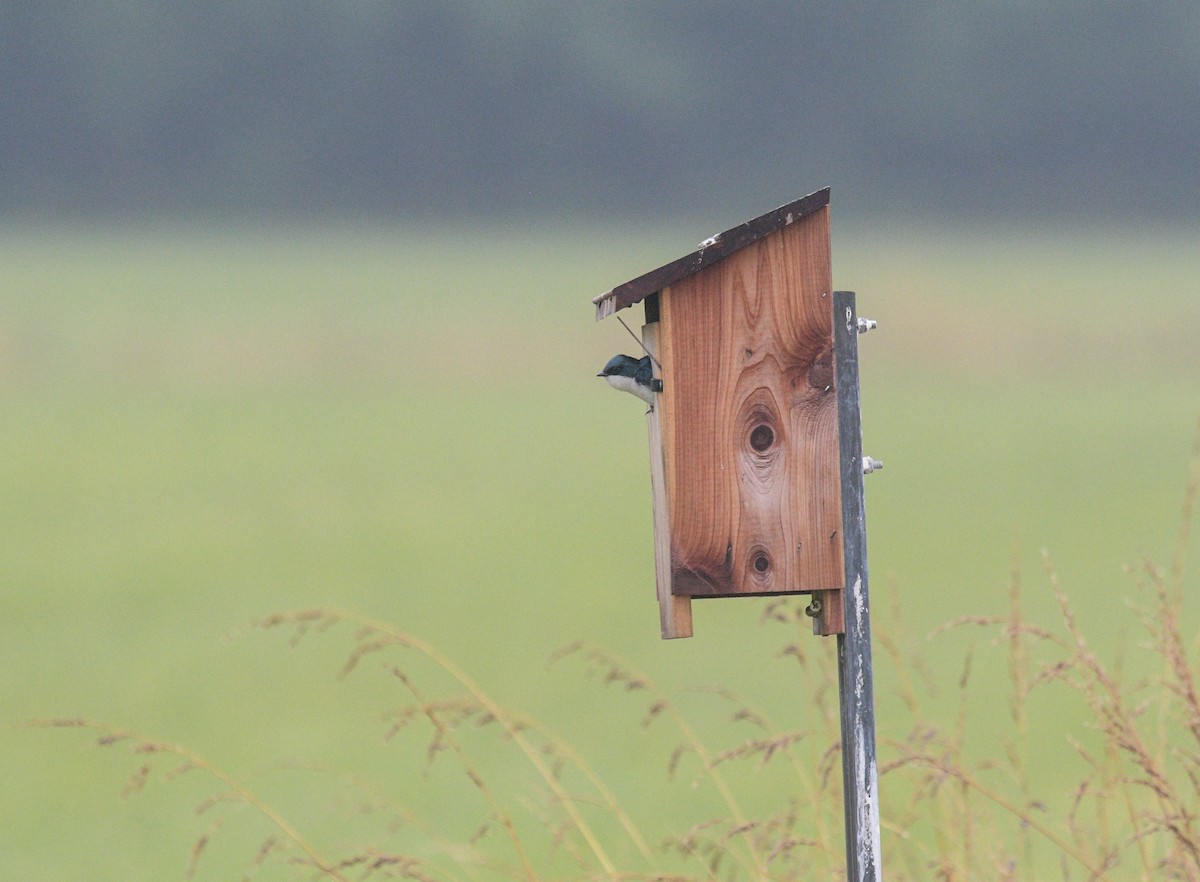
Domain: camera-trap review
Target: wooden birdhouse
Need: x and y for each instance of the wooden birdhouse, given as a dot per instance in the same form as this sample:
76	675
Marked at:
746	463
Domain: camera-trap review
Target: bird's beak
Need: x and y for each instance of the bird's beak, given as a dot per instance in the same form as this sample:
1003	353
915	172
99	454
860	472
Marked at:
599	375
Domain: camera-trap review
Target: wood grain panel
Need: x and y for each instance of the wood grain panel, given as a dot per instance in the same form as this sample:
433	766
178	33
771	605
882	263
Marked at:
749	420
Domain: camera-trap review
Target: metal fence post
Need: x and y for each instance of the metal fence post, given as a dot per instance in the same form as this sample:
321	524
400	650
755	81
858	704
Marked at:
855	676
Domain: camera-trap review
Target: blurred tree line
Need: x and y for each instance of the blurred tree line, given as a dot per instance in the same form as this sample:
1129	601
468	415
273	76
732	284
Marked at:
529	107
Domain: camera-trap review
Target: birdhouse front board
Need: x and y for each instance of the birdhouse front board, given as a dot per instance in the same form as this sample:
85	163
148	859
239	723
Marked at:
749	419
747	416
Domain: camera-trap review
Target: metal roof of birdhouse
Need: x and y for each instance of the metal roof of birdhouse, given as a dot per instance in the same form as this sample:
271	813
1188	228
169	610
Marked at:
709	251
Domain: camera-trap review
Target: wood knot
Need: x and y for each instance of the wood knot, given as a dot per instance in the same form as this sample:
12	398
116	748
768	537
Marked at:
820	372
760	567
760	427
762	437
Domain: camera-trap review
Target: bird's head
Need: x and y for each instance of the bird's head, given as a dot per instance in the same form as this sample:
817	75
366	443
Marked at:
620	366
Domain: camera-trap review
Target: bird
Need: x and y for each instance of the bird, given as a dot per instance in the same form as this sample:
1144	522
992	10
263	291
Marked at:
632	375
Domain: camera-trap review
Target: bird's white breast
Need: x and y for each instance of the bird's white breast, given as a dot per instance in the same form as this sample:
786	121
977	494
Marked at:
628	384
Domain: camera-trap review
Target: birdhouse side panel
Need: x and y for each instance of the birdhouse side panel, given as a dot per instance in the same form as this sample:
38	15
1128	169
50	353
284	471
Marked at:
699	486
750	421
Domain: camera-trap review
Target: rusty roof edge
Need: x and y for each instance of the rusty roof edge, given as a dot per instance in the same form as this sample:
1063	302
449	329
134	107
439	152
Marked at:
710	251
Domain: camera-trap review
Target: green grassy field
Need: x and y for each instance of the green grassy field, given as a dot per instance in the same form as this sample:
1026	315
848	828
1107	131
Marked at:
204	427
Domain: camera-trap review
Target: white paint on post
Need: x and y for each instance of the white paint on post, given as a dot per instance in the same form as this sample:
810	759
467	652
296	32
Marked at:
870	855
